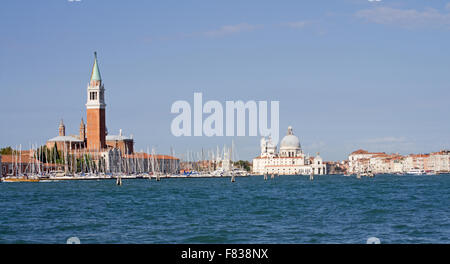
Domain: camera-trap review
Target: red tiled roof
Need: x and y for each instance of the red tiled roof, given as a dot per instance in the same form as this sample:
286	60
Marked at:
419	155
24	158
360	151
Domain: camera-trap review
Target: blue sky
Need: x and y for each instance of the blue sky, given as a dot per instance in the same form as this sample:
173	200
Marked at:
348	74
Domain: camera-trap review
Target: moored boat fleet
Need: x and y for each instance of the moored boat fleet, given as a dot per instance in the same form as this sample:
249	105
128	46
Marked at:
102	176
52	177
37	165
30	166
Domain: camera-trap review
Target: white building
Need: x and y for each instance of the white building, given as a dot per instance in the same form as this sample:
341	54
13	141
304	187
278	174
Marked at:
359	161
439	162
289	161
380	162
398	165
416	162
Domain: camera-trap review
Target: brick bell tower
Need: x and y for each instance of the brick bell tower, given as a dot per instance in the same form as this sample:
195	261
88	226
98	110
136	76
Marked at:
95	108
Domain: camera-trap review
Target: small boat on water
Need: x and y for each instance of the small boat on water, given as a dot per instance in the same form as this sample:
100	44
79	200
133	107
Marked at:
49	180
367	174
19	179
416	172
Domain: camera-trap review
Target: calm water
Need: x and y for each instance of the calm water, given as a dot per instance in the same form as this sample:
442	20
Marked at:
288	209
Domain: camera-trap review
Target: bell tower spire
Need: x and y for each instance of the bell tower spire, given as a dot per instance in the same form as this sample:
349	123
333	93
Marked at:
62	128
82	130
95	75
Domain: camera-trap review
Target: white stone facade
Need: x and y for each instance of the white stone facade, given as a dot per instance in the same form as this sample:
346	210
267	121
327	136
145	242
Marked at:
290	160
362	161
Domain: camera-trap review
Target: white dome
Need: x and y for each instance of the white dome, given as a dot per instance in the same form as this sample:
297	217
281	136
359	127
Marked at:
290	141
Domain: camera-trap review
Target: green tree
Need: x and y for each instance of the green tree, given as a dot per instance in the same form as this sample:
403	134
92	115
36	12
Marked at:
55	154
6	151
243	164
42	154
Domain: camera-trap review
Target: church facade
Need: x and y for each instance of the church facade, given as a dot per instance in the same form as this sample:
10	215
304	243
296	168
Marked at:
289	160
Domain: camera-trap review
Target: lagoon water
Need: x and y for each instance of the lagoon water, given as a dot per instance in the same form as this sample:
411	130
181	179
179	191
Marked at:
287	209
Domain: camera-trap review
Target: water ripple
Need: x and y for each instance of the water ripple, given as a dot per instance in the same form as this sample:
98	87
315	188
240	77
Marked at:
288	209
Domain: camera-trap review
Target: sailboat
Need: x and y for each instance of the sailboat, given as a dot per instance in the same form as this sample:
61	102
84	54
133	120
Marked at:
148	164
154	164
17	174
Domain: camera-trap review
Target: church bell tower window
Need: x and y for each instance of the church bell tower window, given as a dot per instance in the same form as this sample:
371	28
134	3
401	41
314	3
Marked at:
93	96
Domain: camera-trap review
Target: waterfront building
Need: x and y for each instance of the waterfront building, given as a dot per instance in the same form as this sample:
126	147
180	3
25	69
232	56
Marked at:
379	162
336	167
398	165
362	161
93	136
124	143
439	161
63	142
386	163
358	161
416	162
17	164
107	151
290	160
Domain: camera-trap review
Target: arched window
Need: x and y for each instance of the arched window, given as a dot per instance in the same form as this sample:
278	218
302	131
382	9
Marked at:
93	95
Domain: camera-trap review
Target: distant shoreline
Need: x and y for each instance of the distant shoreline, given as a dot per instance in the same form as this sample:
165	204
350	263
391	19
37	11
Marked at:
153	178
